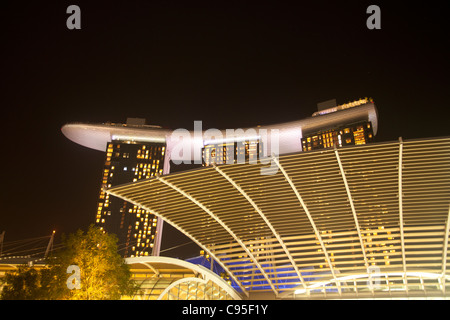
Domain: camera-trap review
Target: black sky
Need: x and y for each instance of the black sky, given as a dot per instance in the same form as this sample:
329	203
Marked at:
230	64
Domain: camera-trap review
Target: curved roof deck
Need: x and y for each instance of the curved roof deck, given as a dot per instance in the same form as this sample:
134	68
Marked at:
96	136
326	225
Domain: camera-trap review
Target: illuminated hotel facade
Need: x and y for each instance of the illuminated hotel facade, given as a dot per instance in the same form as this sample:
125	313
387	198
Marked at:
136	151
247	151
137	229
289	135
129	159
339	221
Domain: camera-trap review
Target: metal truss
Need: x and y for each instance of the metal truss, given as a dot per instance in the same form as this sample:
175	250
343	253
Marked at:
321	224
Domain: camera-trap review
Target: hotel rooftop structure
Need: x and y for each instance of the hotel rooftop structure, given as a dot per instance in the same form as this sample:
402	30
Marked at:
343	219
289	134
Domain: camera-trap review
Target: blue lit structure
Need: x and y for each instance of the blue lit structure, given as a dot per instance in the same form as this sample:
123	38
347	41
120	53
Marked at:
285	276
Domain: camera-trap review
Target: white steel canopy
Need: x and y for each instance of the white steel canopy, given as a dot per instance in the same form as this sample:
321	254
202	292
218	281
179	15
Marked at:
359	221
163	278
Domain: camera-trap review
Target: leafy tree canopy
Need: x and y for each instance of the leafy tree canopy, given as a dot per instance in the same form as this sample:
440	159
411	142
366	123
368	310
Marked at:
103	273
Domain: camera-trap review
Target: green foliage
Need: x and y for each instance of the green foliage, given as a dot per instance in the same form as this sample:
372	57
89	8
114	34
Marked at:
103	272
25	285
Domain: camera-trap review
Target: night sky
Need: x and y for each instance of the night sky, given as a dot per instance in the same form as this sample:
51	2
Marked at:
231	64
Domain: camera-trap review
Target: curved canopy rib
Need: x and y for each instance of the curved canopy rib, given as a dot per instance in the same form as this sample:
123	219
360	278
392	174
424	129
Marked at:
215	217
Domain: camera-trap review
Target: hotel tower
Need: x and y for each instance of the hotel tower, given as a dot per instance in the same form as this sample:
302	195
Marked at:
135	151
129	160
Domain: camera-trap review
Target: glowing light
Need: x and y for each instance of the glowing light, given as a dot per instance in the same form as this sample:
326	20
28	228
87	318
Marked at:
427	275
136	138
232	139
343	106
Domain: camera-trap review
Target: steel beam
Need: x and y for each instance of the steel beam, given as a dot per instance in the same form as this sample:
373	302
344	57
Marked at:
444	254
350	199
400	209
219	221
311	220
262	215
184	232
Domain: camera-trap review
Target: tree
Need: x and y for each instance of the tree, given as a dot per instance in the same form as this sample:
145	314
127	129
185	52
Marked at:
22	285
103	272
